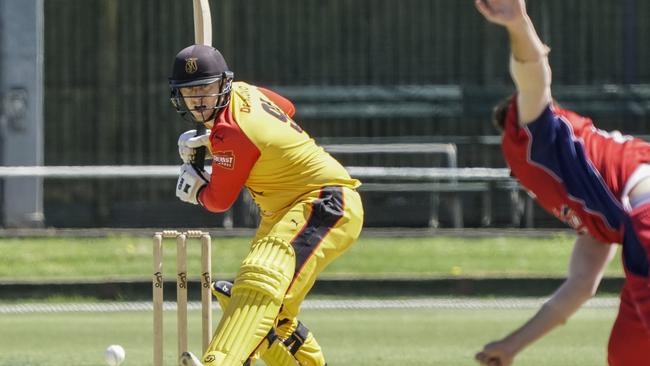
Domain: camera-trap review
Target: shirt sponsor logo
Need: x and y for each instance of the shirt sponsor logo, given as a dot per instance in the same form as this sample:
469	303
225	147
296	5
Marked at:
225	159
570	217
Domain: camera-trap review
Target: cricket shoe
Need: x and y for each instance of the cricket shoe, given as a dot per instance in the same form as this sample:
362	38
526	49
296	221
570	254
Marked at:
221	288
188	359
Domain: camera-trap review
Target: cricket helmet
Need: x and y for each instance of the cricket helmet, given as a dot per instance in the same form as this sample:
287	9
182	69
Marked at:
199	65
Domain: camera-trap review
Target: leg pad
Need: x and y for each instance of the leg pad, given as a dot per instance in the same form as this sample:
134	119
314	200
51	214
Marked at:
254	301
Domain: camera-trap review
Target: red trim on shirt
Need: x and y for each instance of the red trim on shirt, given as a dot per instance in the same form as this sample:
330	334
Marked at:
234	157
282	102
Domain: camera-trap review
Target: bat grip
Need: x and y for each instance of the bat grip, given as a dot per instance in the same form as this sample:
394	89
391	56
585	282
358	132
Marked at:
199	158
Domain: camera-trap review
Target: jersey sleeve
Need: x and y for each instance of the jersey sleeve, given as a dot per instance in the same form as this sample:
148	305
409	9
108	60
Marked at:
234	155
282	102
547	141
551	139
552	150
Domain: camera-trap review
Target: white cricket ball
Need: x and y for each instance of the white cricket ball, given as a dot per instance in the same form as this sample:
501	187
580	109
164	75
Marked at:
114	355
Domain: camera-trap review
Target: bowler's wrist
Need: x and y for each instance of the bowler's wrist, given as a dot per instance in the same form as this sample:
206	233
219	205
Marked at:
519	25
511	345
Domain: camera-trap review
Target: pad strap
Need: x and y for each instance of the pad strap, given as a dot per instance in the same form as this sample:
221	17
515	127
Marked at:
297	338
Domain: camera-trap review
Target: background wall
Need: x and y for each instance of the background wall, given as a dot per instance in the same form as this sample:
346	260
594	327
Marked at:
107	62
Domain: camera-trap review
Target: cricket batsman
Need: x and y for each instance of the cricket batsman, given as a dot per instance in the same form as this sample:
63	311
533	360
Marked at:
310	210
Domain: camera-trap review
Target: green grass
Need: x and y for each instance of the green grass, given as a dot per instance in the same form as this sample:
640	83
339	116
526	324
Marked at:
349	337
122	257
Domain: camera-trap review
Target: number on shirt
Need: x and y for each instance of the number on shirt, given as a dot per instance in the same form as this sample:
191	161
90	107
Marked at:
273	110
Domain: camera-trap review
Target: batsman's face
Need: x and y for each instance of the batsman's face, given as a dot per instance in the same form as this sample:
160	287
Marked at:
201	100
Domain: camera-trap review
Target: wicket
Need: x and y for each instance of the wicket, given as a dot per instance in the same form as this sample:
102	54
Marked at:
181	289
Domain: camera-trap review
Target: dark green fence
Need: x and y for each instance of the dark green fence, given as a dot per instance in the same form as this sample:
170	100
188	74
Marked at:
106	64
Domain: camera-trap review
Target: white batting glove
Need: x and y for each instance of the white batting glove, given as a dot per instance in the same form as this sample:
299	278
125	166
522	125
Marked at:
188	142
189	184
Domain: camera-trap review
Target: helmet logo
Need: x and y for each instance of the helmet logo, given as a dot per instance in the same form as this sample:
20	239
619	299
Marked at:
191	65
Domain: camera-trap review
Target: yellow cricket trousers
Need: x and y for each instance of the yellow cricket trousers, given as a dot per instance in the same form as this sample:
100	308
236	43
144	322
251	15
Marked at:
320	226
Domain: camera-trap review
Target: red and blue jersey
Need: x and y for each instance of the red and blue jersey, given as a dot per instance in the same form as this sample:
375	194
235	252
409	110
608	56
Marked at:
577	172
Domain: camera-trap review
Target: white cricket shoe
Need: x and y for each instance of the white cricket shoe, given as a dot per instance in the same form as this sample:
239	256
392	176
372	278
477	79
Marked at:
188	359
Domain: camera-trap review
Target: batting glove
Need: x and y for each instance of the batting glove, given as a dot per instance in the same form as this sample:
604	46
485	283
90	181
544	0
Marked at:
189	184
188	142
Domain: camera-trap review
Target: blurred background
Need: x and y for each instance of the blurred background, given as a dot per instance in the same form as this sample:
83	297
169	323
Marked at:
85	83
399	91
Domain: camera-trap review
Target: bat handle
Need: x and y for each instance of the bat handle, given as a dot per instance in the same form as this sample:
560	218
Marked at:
199	158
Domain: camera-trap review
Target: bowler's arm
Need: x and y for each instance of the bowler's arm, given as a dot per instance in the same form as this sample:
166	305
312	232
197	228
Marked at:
530	70
586	268
529	63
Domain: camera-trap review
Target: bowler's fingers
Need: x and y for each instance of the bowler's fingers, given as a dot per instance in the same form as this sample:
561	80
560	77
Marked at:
481	357
494	362
486	360
483	7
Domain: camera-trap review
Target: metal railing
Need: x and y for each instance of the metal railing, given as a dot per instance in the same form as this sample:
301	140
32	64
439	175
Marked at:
434	180
172	171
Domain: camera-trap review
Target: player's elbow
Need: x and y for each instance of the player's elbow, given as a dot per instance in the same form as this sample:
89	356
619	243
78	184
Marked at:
591	290
584	289
587	293
587	284
216	203
217	207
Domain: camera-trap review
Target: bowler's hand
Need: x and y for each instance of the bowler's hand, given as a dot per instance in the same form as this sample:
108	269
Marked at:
495	354
189	184
502	12
188	142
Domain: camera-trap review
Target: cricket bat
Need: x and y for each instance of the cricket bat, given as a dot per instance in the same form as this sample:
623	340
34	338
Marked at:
202	22
202	35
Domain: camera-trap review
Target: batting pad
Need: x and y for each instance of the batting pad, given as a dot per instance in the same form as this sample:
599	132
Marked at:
278	355
257	295
273	352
